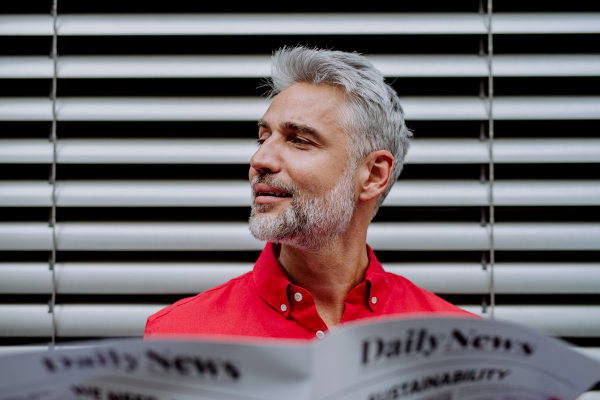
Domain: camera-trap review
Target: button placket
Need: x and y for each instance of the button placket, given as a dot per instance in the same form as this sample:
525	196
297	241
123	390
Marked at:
302	308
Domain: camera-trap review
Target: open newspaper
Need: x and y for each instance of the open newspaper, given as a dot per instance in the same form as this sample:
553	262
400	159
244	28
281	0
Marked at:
412	359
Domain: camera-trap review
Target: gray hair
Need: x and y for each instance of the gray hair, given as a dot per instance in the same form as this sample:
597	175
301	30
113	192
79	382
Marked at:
373	118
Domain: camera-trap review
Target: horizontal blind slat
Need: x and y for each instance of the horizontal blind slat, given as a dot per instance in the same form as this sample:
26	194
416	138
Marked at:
463	108
301	24
566	321
239	151
175	193
228	66
129	320
75	320
189	278
9	350
236	236
118	278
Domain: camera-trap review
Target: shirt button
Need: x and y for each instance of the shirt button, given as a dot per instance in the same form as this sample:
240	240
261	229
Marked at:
298	297
320	334
373	299
283	308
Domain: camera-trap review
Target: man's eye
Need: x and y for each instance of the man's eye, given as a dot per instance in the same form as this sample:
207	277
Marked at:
260	141
300	141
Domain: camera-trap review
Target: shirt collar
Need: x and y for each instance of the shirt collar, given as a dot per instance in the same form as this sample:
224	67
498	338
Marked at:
272	283
378	279
270	280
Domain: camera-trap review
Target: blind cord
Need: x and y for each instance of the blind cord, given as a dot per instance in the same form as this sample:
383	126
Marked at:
490	58
53	139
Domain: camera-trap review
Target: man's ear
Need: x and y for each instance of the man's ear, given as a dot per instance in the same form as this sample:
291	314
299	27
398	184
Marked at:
375	174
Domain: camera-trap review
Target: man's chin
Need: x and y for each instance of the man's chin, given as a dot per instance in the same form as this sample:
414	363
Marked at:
263	218
262	226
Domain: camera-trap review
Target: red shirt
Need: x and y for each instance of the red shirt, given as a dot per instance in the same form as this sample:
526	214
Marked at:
265	303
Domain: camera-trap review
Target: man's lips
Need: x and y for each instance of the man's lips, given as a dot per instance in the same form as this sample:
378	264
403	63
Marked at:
266	194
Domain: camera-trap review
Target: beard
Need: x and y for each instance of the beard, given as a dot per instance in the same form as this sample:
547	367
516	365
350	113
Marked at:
312	220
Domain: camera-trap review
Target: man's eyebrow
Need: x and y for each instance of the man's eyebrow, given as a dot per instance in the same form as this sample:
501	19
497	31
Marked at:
293	126
301	128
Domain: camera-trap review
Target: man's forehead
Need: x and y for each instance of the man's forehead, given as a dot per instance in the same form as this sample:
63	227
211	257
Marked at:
303	102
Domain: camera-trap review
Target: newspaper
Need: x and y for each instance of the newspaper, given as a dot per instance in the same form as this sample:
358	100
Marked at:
412	359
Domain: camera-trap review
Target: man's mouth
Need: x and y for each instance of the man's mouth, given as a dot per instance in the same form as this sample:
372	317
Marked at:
266	194
273	194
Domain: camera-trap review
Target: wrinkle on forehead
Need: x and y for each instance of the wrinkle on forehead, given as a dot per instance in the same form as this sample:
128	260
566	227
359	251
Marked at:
304	102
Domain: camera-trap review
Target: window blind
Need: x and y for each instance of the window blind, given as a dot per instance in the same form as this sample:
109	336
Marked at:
155	119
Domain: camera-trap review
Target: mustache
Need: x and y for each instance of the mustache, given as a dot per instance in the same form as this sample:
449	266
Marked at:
269	179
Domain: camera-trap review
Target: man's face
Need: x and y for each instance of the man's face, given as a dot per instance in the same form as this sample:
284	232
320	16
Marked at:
302	179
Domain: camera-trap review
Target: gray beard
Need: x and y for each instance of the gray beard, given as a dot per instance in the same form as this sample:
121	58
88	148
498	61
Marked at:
311	221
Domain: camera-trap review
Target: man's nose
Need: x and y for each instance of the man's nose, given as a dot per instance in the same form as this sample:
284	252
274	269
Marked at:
267	157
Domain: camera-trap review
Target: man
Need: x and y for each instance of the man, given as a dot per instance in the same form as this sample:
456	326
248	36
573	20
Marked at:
332	144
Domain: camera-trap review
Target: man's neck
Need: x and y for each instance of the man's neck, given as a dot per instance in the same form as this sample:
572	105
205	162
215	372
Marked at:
328	273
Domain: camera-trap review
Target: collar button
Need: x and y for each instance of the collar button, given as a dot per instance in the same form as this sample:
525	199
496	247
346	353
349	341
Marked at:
283	308
298	297
374	300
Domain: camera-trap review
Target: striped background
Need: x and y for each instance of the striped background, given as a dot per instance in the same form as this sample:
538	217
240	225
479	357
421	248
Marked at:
156	113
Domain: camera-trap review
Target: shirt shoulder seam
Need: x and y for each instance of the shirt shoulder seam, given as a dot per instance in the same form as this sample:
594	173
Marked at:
436	297
182	302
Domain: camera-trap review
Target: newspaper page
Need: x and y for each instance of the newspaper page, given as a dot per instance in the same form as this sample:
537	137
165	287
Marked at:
161	370
415	359
448	359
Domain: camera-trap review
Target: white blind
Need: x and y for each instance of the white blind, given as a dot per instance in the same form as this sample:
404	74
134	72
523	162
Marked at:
155	119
